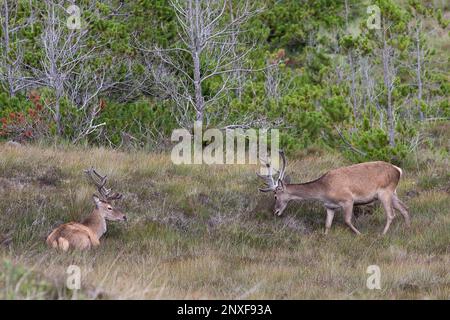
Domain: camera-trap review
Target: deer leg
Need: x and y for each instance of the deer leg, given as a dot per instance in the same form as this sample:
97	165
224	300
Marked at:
386	200
348	214
329	221
402	208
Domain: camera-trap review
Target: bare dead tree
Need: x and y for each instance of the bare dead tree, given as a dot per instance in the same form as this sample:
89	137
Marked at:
352	69
12	77
62	52
419	59
66	69
275	83
389	74
273	80
239	74
207	49
369	97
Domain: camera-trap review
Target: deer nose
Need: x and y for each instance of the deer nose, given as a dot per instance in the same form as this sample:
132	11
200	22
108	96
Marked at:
124	218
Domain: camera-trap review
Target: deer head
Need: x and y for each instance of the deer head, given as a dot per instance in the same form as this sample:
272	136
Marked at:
103	202
279	188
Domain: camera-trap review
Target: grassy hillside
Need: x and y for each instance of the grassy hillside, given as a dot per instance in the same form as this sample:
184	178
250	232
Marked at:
206	232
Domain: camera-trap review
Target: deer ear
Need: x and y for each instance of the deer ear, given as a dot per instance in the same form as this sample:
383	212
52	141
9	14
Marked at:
287	179
280	184
96	200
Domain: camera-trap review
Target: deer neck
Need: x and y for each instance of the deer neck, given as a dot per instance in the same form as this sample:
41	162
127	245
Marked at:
96	222
304	191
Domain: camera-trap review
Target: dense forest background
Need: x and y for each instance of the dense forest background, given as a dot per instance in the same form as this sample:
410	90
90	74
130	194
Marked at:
126	73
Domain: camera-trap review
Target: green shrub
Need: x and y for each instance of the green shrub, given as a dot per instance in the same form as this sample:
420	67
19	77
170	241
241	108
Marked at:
144	120
17	282
23	118
373	144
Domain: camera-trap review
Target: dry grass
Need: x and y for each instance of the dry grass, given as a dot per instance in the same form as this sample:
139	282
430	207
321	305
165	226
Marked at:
205	231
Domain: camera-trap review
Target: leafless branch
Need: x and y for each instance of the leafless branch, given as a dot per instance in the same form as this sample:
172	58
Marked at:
207	49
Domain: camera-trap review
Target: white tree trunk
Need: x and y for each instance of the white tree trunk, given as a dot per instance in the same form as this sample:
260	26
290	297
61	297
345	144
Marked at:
419	72
388	77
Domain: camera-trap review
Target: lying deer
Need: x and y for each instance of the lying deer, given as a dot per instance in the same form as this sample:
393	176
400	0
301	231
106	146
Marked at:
86	234
344	187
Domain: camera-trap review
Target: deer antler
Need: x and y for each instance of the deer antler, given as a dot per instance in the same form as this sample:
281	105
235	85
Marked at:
283	168
268	179
100	182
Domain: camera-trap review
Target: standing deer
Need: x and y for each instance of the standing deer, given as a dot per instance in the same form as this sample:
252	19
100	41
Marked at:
343	188
86	234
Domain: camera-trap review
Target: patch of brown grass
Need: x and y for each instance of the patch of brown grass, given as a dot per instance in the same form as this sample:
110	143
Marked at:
204	232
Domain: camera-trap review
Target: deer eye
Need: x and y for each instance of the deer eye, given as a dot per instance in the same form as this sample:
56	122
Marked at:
109	208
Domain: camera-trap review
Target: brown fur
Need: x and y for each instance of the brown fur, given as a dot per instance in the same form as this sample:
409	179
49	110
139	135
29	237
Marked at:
85	235
72	235
345	187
